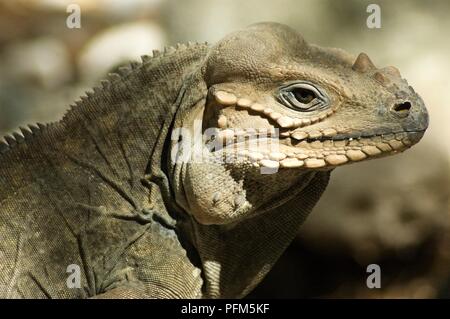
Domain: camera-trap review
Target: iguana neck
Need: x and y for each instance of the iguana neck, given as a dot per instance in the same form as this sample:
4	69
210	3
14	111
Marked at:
236	258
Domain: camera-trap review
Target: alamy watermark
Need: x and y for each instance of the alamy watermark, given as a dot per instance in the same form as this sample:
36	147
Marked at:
374	19
194	145
374	279
74	279
73	20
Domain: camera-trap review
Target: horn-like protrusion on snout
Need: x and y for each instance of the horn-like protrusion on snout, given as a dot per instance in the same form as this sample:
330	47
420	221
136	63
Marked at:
363	63
392	71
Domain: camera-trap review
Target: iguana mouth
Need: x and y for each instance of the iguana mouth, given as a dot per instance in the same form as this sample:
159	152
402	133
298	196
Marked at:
298	142
273	151
341	137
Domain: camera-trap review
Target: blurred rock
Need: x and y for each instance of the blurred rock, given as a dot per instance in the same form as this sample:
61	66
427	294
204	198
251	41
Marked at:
107	7
393	204
118	45
42	61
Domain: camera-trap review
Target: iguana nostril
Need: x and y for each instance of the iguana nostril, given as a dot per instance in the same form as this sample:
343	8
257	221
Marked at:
402	108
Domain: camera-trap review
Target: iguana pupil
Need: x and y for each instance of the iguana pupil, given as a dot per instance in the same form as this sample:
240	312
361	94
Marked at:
303	95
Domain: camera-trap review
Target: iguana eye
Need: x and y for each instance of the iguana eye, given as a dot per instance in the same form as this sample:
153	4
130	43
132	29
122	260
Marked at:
303	97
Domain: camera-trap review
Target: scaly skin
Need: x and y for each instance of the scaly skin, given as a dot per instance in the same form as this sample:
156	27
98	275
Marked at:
271	115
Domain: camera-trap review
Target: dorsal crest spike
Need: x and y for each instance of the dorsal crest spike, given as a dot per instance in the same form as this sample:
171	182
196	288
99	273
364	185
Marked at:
10	140
363	63
134	65
18	137
169	50
105	83
114	76
156	53
145	58
34	129
25	132
123	70
97	89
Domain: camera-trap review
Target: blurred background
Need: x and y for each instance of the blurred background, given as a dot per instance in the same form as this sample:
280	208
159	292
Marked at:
393	212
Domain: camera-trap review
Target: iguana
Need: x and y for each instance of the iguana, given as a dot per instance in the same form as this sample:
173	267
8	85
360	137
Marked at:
104	189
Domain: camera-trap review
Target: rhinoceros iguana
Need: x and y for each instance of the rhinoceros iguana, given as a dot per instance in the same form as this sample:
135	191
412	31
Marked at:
115	193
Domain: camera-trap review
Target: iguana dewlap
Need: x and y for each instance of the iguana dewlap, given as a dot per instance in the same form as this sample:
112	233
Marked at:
114	188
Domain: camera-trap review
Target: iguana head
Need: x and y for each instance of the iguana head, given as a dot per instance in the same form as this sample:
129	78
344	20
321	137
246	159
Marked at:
276	104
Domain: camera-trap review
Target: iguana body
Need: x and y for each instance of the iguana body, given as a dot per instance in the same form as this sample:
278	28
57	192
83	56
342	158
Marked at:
99	189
